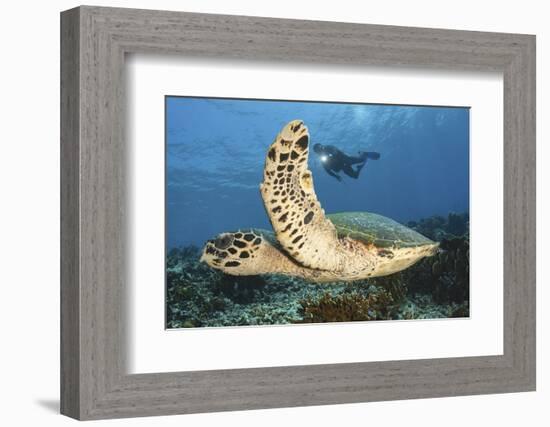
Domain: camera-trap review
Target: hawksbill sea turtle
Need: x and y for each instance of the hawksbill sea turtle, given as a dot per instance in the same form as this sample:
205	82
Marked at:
307	243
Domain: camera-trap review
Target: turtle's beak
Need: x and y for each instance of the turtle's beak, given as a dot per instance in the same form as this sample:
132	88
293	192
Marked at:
436	249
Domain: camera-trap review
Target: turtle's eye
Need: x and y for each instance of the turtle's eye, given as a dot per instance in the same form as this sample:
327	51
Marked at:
224	241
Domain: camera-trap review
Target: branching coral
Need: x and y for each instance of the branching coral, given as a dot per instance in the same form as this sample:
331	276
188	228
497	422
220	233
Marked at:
394	284
348	307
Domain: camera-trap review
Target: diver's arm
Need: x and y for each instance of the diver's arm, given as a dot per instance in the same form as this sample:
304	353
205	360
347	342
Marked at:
329	171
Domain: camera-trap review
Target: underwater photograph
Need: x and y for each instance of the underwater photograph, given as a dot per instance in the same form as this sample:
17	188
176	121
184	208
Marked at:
296	212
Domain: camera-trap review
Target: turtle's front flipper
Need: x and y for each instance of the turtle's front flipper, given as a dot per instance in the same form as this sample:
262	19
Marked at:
289	198
240	253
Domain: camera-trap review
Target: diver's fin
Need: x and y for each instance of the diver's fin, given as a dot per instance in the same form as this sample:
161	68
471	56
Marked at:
373	155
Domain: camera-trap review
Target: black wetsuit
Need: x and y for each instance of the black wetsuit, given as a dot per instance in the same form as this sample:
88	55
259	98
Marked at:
334	160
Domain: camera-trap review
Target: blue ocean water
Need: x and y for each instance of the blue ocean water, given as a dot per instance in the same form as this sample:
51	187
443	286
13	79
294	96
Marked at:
215	151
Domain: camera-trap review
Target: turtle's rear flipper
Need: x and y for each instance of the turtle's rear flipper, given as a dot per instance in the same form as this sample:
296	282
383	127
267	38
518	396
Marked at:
289	197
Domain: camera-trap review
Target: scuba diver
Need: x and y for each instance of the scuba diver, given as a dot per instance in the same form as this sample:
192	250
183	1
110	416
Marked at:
334	160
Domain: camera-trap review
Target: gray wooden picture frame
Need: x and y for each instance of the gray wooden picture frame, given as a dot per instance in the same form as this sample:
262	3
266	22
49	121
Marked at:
94	381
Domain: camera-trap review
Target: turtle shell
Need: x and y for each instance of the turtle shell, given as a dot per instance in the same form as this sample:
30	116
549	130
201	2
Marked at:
382	232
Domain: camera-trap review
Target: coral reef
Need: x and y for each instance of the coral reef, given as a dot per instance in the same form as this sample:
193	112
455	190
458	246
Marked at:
439	228
445	276
436	287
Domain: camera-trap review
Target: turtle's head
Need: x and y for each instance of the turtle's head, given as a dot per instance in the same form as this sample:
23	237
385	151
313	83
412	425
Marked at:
234	253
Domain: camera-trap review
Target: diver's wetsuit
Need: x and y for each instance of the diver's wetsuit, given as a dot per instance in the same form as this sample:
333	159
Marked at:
333	160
